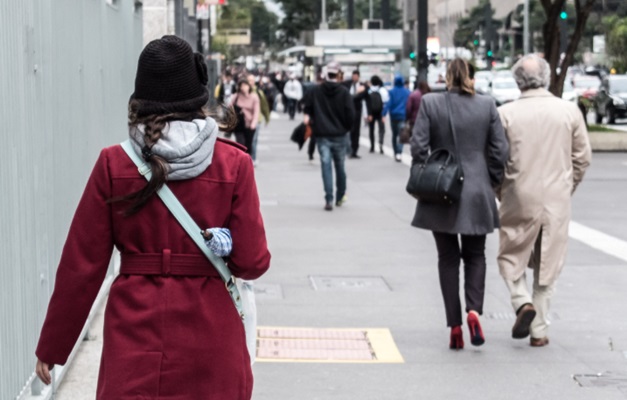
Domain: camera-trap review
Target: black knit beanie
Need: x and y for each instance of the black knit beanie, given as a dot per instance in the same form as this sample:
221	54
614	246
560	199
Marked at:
170	78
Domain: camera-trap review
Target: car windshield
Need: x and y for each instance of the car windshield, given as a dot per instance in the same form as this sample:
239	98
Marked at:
586	83
504	84
618	85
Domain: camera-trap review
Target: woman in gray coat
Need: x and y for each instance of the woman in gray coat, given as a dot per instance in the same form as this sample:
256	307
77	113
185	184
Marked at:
460	229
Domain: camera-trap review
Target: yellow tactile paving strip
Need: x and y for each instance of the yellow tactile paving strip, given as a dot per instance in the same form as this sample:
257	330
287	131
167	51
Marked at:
326	345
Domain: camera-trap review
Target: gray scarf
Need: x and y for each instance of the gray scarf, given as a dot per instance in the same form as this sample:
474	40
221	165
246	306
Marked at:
186	146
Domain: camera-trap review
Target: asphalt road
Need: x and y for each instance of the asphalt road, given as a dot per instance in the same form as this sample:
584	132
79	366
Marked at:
381	273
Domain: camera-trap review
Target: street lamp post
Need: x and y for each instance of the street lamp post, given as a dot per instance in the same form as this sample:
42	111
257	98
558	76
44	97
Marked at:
526	28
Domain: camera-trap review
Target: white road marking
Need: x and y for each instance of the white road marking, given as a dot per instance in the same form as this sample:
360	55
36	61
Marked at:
598	240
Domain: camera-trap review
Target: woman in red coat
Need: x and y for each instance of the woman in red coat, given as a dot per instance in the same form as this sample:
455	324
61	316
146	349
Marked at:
171	329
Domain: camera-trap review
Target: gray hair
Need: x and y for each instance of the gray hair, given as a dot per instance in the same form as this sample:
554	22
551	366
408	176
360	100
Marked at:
532	72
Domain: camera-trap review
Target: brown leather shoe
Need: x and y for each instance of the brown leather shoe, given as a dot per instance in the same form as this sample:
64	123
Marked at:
541	342
525	316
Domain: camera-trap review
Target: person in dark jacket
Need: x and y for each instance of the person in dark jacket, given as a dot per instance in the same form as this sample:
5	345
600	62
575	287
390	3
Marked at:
359	93
376	102
329	110
483	149
396	107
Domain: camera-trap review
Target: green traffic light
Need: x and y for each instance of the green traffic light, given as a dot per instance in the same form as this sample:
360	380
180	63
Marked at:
489	53
412	55
476	42
563	15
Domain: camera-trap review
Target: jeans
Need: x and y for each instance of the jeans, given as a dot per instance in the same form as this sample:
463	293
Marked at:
450	255
397	127
253	151
333	149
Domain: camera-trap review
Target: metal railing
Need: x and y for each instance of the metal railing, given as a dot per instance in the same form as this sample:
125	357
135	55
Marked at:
66	73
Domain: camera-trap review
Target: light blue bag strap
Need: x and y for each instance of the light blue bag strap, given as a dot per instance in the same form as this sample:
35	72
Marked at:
190	226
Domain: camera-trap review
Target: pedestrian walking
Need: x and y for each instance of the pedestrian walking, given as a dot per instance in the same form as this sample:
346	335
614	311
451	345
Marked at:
413	103
168	316
358	91
247	107
329	111
396	107
460	229
226	88
548	159
376	106
264	114
293	91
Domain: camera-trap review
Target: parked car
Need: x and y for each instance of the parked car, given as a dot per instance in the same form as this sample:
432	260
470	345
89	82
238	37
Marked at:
611	100
504	90
484	75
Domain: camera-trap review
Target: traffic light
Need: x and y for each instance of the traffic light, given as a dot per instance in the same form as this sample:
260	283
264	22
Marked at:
489	53
563	15
412	55
476	42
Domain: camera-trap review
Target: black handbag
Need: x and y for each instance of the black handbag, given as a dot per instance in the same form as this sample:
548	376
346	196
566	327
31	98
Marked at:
241	118
440	178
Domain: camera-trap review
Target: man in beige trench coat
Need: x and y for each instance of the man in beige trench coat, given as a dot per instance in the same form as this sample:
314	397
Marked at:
549	153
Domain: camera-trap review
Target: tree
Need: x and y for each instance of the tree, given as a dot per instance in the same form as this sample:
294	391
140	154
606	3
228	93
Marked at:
552	35
305	15
616	41
465	34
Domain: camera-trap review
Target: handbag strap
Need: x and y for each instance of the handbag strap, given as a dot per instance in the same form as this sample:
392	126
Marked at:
186	221
452	126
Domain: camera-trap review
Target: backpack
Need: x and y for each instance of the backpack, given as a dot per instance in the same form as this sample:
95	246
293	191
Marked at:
376	103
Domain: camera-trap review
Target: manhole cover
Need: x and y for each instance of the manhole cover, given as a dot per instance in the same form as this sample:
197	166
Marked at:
349	283
270	291
606	379
326	345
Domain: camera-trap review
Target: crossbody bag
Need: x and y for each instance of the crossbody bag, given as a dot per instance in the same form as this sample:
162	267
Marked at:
241	292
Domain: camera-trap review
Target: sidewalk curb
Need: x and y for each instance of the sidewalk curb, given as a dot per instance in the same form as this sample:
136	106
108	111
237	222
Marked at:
608	141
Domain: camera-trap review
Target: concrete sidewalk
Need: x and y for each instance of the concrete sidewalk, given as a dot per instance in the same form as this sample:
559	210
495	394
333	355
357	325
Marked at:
363	266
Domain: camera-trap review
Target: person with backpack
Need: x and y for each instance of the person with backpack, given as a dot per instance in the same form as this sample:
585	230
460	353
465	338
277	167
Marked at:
396	106
376	101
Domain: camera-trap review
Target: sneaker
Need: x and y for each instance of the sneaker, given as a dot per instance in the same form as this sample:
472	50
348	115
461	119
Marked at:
328	207
397	157
341	201
381	149
355	156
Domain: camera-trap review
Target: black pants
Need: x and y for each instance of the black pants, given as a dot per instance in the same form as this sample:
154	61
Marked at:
246	138
376	119
355	133
472	252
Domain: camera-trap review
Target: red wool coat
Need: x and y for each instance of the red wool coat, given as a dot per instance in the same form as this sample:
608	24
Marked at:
169	337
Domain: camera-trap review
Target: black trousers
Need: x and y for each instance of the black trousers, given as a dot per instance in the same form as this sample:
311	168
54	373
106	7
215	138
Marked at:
355	133
450	255
245	138
376	119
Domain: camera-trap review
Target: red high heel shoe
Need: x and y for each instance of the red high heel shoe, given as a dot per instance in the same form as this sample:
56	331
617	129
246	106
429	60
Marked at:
476	333
457	340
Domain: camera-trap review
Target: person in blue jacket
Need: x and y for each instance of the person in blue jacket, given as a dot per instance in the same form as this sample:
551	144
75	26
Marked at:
396	107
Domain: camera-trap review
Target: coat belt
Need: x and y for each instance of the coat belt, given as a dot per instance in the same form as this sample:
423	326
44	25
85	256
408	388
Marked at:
166	263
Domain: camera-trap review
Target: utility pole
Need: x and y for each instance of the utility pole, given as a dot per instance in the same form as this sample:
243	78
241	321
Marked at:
371	13
323	24
351	14
423	32
526	29
385	13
